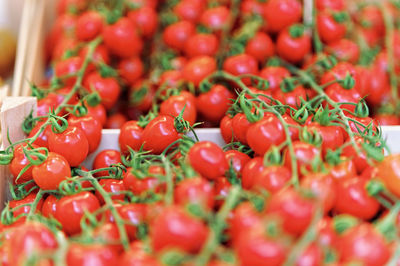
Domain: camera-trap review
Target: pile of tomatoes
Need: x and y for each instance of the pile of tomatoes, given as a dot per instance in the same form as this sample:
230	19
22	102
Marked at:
302	179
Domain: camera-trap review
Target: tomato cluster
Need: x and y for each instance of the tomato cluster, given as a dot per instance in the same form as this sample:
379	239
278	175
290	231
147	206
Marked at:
302	179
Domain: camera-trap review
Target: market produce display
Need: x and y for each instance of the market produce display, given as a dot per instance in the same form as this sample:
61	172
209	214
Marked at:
299	100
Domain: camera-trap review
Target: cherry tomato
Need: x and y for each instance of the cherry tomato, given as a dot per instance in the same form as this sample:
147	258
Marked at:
265	133
251	170
330	26
272	178
174	105
98	112
134	214
354	199
274	75
145	20
261	47
237	160
70	210
108	88
304	153
189	10
222	187
240	127
90	126
176	35
175	229
105	159
49	206
100	55
330	4
388	173
113	187
208	159
195	190
29	199
332	136
345	50
19	162
108	233
280	14
226	129
145	184
130	136
201	44
51	172
93	254
243	218
323	187
122	39
65	6
76	141
159	134
292	98
68	67
131	69
213	104
199	68
312	255
216	18
89	25
343	171
293	44
241	64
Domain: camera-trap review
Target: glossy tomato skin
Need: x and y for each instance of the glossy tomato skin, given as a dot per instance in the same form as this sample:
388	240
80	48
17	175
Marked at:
19	162
201	44
90	126
114	187
216	18
175	229
208	159
130	136
226	129
332	136
213	105
94	254
291	98
222	187
243	218
134	214
237	160
189	10
76	141
145	19
312	255
293	48
105	159
240	126
328	28
195	190
389	174
241	64
108	232
131	69
68	66
29	239
250	171
115	121
29	199
304	153
261	47
353	199
324	188
49	206
159	134
176	35
122	39
330	4
108	88
174	105
280	14
364	244
265	133
274	75
89	25
140	185
343	170
345	50
98	112
199	68
272	179
51	172
291	206
70	210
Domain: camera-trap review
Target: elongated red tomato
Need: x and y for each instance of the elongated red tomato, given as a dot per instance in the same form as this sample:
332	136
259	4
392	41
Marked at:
51	172
130	136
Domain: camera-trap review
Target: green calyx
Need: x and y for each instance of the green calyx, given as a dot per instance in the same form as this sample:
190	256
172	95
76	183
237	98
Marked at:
340	17
348	82
296	31
361	109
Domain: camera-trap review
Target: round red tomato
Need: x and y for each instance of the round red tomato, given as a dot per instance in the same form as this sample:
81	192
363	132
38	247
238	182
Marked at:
89	25
237	160
105	159
274	75
130	136
49	206
22	206
241	64
108	88
324	188
201	44
195	190
113	187
330	27
240	126
199	68
19	162
131	69
145	20
216	18
189	10
293	44
176	35
174	105
226	129
90	126
261	47
213	104
251	170
93	254
272	178
304	153
280	14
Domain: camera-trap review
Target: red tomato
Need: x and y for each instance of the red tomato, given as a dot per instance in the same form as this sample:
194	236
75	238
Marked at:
327	236
49	206
330	28
353	199
100	55
19	162
175	229
332	136
159	134
378	87
291	98
216	18
293	44
51	172
345	50
330	4
13	204
130	136
274	75
189	10
237	160
241	64
195	190
251	170
108	233
343	171
115	121
65	44
93	254
105	159
291	206
251	7
70	210
388	173
304	153
213	104
340	95
280	14
145	20
65	6
76	141
261	47
30	239
98	112
134	214
387	119
108	88
113	187
243	219
359	159
131	69
89	25
323	187
312	255
240	126
226	129
374	251
265	133
201	44
90	126
208	159
122	39
199	68
138	258
272	178
68	67
222	187
176	35
174	105
141	185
